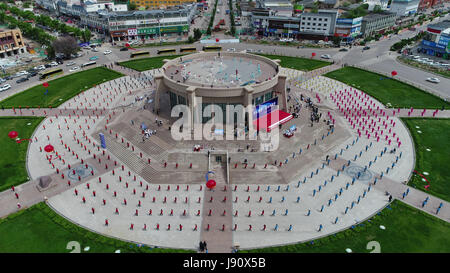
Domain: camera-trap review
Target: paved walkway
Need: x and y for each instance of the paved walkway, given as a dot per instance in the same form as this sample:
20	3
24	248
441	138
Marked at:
414	197
30	194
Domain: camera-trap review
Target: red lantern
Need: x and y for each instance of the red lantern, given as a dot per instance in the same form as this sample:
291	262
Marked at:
127	45
393	73
217	40
12	134
211	184
49	148
313	54
45	84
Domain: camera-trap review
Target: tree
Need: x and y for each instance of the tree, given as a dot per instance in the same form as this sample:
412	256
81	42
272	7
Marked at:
336	40
377	9
197	34
66	45
86	35
26	5
132	6
191	39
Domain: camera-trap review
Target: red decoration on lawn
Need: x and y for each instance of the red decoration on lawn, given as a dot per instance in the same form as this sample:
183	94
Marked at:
12	134
393	73
45	84
313	54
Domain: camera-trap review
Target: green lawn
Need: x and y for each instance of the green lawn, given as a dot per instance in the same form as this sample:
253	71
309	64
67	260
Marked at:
40	230
13	154
436	137
61	89
297	62
144	64
408	230
387	90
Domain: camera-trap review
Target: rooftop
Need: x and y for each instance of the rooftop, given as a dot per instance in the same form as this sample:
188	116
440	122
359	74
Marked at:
375	16
441	25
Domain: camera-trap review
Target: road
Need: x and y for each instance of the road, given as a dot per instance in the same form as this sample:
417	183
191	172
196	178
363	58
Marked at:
378	58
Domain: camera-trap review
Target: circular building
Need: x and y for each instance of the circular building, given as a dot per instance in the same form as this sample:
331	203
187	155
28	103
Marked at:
220	78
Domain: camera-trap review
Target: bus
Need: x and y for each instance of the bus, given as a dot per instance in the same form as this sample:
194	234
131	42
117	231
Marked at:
139	53
50	73
188	49
212	48
167	50
88	63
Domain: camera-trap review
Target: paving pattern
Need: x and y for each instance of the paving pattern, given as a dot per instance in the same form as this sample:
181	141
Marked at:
316	183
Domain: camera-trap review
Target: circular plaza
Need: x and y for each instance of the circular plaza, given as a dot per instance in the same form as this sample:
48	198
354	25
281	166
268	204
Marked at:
128	178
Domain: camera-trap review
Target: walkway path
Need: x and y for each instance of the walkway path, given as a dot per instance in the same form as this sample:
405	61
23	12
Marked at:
218	240
29	194
414	197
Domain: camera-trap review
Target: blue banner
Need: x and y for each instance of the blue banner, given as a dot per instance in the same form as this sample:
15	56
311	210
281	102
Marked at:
264	108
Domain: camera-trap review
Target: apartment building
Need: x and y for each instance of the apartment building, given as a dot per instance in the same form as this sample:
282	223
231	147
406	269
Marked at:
11	43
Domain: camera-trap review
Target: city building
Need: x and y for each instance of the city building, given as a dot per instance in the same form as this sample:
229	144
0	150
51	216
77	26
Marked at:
404	7
318	25
222	78
146	24
50	5
426	4
347	28
315	26
377	23
156	4
383	4
76	8
276	26
282	8
11	43
437	40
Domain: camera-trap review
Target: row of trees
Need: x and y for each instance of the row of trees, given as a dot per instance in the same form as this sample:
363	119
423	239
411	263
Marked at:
43	20
213	15
233	27
197	36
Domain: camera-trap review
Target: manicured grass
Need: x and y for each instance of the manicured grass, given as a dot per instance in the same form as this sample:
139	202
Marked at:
387	90
61	89
297	62
144	64
408	230
40	230
436	137
13	155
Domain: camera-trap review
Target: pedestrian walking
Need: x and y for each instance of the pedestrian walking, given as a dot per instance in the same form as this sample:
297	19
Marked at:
390	198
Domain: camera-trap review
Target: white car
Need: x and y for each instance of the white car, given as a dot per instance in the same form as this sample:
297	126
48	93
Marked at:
5	87
107	52
70	63
325	56
231	49
87	47
433	80
75	68
40	67
53	64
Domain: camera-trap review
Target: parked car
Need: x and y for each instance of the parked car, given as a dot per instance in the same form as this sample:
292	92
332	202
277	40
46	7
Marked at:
9	78
366	48
87	47
433	80
32	74
39	67
95	49
22	80
47	65
5	87
124	49
93	58
53	63
343	49
70	63
75	68
325	56
60	61
107	52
